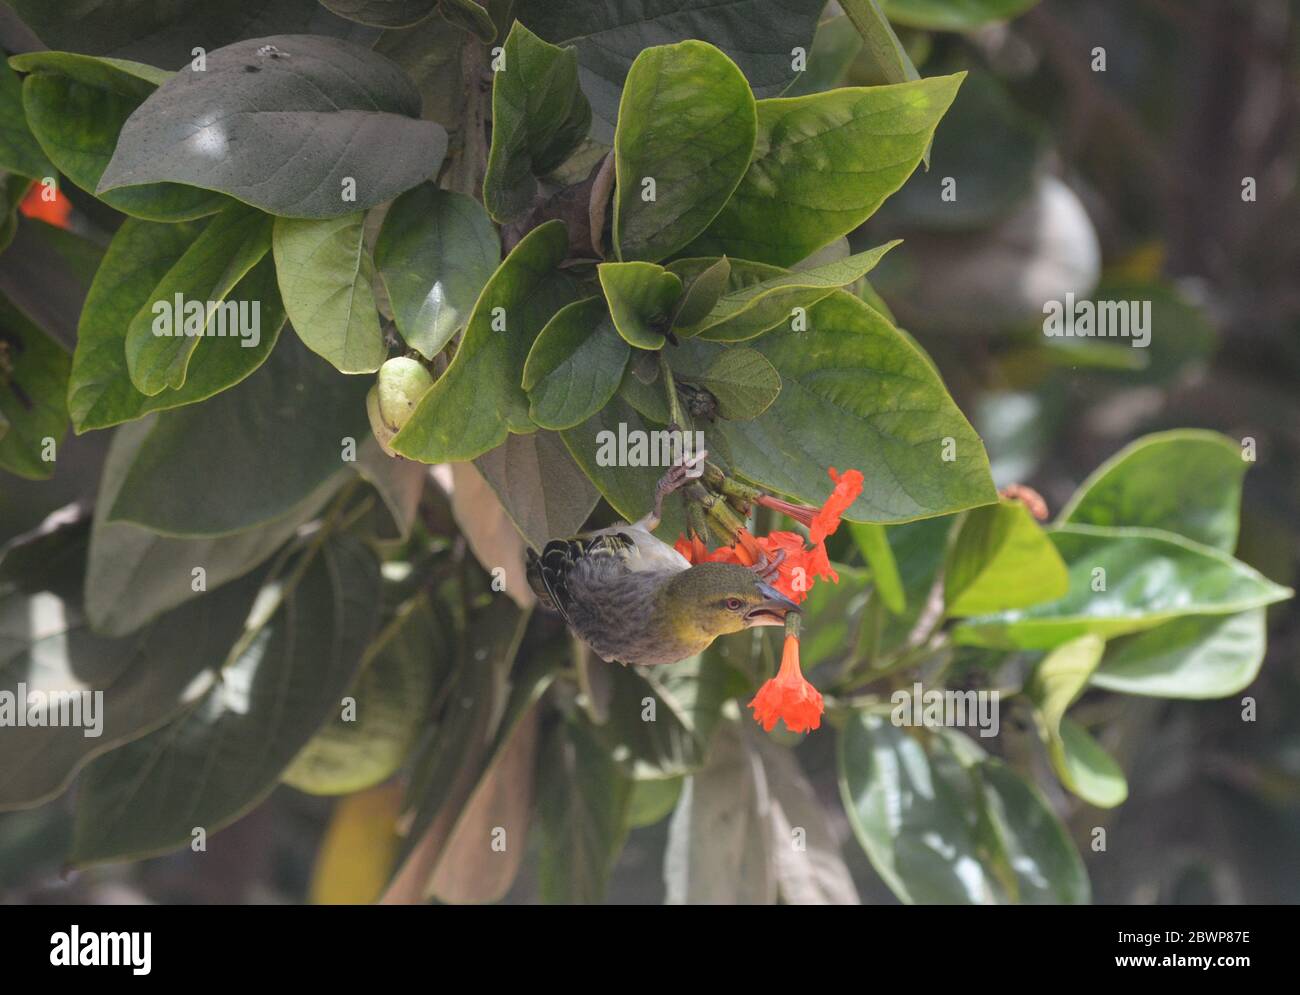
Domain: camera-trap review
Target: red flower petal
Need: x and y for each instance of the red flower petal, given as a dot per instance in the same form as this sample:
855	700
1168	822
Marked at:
788	696
827	520
54	212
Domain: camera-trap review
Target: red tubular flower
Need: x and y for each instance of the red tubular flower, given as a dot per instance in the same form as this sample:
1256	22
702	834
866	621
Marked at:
823	521
54	212
788	696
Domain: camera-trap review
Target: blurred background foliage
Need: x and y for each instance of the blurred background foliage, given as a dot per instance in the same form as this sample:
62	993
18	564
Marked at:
1124	184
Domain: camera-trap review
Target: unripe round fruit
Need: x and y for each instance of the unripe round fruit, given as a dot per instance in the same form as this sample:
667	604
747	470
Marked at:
401	384
382	433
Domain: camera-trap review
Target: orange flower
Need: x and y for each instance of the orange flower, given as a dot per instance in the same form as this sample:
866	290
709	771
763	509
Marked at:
54	212
797	570
823	521
788	696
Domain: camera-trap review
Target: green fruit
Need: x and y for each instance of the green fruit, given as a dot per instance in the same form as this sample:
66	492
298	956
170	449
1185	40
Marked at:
401	384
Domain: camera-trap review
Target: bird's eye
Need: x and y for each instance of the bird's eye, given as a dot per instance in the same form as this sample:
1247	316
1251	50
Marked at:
734	604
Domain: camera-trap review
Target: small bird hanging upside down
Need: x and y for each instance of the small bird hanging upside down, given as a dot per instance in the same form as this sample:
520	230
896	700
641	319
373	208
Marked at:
636	600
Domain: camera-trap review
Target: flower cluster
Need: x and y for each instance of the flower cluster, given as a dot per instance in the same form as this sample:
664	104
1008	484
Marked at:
788	695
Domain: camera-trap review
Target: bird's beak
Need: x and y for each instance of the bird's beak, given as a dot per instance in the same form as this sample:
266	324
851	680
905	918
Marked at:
772	610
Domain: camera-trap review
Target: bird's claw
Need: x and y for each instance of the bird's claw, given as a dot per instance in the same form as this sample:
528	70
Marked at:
769	567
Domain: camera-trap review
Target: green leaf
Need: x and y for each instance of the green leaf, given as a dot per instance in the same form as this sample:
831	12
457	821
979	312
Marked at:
539	115
720	850
757	35
435	252
754	308
248	456
663	721
641	297
742	381
77	105
478	400
298	656
19	151
297	125
1080	762
141	681
325	274
653	800
1147	577
855	394
391	699
822	165
953	15
162	337
835	45
165	34
1002	559
1209	656
385	13
574	366
582	802
628	488
686	124
33	395
470	16
886	52
542	489
133	575
702	292
873	542
1185	481
100	391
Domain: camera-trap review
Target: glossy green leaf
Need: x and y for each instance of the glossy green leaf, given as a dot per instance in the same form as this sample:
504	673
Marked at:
641	298
886	53
285	677
134	575
436	251
165	34
100	391
702	292
873	543
384	13
19	151
628	484
478	400
538	117
685	134
392	698
542	489
1125	580
822	165
575	366
582	803
1080	762
1208	656
298	125
180	311
325	273
758	306
142	680
953	15
1002	559
758	35
742	381
77	105
856	394
248	456
34	372
1186	481
835	46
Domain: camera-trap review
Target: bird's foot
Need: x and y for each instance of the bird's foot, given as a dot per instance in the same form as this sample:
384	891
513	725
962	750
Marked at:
677	476
769	567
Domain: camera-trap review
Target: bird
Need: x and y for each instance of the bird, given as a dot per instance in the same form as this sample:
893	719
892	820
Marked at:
635	600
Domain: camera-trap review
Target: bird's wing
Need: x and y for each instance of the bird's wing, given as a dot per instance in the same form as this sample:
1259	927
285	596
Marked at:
622	547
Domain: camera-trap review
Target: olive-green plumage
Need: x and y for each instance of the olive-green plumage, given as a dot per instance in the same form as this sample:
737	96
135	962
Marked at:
636	600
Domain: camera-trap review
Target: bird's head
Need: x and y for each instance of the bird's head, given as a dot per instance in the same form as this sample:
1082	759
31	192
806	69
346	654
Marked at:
712	599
